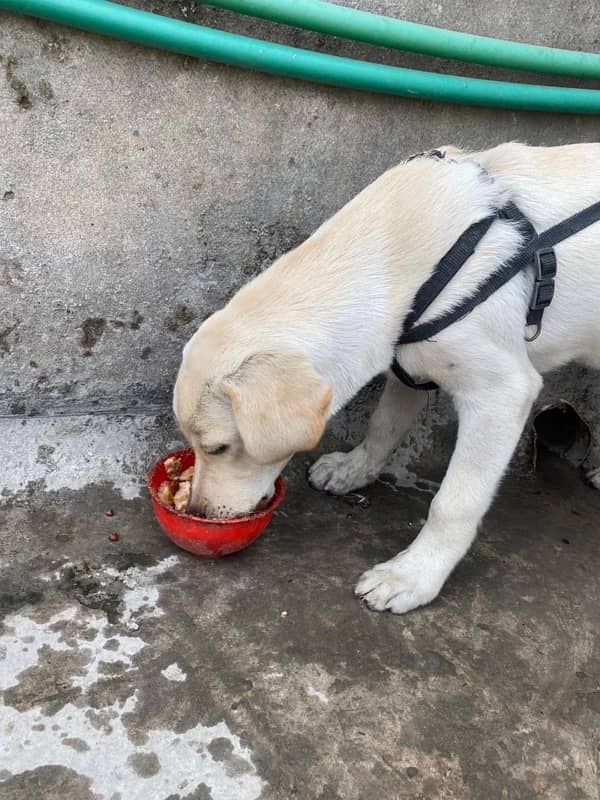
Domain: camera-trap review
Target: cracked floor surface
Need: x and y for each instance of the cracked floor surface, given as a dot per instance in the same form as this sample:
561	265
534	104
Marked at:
133	670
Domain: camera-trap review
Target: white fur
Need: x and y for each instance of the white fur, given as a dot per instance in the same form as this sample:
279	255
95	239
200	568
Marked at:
342	296
494	377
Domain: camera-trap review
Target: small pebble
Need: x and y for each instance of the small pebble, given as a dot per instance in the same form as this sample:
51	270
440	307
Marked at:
113	537
109	513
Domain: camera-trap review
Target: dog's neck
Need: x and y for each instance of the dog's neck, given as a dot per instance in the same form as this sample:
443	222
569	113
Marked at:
347	331
349	351
342	296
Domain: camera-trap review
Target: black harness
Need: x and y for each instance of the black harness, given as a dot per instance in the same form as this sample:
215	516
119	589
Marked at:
537	249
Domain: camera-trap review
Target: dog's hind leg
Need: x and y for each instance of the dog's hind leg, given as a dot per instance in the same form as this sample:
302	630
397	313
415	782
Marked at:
492	410
340	473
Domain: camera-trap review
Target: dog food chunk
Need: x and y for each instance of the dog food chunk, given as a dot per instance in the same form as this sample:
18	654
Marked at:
182	496
173	467
166	492
175	492
187	474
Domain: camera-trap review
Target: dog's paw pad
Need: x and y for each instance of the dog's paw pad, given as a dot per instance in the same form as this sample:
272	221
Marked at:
396	586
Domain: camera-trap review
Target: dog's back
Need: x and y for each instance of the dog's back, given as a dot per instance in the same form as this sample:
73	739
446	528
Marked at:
549	184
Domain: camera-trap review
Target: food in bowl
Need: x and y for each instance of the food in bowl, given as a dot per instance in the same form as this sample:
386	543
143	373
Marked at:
207	538
175	492
173	467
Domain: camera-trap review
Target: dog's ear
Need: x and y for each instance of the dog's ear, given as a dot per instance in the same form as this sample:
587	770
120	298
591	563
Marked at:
280	405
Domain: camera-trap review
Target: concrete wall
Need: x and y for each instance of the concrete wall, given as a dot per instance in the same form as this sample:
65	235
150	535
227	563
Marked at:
139	189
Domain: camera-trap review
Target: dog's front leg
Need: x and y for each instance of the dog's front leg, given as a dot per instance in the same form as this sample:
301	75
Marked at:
340	473
491	419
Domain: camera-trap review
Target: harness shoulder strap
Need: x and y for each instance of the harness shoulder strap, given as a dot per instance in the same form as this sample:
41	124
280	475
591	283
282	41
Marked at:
510	268
570	226
446	269
539	248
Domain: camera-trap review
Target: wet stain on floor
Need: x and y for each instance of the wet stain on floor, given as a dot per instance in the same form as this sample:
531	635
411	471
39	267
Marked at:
285	685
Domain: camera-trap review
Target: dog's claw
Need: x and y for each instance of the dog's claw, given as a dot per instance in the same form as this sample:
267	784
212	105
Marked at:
399	585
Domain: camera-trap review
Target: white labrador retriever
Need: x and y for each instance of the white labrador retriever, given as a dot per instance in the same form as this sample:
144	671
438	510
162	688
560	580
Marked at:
260	378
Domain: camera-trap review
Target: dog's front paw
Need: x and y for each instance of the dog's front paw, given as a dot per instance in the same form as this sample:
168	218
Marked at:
400	584
340	473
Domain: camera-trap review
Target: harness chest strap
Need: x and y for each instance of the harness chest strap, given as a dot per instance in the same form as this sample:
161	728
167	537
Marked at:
538	248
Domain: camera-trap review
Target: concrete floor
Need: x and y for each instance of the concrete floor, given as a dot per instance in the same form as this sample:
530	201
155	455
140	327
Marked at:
132	670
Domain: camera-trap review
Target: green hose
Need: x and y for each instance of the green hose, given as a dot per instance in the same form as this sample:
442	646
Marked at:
350	23
100	16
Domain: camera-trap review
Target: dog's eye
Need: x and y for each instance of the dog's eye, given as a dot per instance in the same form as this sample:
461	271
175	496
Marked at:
217	451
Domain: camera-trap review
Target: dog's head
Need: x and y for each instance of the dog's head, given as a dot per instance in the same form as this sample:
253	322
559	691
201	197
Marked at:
245	415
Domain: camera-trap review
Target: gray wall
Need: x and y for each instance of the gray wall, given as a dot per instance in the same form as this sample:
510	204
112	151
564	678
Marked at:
139	189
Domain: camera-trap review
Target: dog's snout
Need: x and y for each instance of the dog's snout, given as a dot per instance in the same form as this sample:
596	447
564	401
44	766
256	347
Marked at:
206	510
265	499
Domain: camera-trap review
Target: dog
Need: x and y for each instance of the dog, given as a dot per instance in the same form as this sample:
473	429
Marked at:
261	377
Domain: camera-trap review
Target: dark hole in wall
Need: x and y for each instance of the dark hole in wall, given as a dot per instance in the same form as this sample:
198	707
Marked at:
559	429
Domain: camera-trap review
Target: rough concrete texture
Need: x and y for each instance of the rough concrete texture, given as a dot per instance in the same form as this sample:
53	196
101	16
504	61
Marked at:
132	670
139	189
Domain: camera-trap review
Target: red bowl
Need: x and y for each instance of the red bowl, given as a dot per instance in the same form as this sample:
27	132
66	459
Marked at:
207	538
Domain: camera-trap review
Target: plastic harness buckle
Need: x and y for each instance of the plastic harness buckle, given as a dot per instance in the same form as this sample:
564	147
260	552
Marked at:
545	272
543	287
